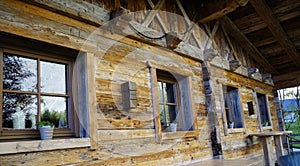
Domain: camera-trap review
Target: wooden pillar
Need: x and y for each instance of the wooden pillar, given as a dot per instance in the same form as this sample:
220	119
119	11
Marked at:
268	150
280	118
278	147
210	103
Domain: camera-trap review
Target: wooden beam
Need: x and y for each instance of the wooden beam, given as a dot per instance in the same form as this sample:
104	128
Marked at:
234	31
153	12
213	9
165	29
287	80
266	14
190	25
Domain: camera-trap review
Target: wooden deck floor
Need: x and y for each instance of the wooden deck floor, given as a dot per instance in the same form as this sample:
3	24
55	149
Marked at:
219	162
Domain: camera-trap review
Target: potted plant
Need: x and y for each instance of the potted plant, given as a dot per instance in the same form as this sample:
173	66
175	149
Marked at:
265	123
46	129
230	124
173	126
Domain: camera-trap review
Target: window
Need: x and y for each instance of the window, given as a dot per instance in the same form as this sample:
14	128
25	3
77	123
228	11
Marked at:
174	102
250	108
35	88
232	107
263	108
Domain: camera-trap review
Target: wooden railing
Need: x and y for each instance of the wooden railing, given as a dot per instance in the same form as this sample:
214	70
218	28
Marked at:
294	143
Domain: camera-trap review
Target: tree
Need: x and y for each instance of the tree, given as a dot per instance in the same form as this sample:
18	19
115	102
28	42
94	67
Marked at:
14	74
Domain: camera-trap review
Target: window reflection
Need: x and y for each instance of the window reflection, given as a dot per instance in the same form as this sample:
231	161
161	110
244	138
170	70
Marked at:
19	73
19	111
54	110
53	74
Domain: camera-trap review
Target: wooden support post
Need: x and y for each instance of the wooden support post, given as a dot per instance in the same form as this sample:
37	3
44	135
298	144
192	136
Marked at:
268	150
221	99
257	110
278	147
156	112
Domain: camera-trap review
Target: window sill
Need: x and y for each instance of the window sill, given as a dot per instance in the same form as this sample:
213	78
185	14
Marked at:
267	127
178	134
236	130
43	145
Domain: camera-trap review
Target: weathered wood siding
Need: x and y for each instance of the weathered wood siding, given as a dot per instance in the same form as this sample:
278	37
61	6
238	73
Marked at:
127	137
234	144
124	137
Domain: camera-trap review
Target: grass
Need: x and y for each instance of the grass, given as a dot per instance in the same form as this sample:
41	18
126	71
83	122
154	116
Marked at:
295	127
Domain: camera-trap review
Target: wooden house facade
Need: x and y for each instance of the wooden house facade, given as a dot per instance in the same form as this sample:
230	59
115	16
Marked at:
119	74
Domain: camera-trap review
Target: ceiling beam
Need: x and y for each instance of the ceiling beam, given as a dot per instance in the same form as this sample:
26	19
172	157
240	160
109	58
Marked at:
212	9
234	31
286	80
266	14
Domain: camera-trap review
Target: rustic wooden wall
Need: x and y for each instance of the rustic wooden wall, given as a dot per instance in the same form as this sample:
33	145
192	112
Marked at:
234	144
127	136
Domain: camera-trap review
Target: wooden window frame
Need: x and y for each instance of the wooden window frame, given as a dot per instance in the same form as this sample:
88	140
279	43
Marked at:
11	134
176	96
159	135
270	127
221	85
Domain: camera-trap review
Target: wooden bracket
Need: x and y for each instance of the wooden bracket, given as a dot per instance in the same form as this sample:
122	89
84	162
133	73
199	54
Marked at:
172	40
234	65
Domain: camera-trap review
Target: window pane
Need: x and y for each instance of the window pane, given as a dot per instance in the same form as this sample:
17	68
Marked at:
169	91
54	109
53	77
19	73
172	113
19	111
264	115
163	118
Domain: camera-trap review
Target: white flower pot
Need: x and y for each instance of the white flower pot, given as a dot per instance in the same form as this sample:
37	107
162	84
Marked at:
173	127
46	132
231	125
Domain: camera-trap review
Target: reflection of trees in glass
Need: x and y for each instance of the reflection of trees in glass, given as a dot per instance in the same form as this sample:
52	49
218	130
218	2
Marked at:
14	74
55	117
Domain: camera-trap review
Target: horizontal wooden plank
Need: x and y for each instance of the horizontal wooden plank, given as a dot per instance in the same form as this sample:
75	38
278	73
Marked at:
104	135
109	124
43	145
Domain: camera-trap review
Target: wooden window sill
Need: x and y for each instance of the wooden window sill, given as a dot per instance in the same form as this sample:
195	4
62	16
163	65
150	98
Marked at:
236	130
267	127
178	134
43	145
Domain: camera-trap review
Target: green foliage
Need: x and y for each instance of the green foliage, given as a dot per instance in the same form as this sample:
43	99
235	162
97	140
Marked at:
53	116
44	123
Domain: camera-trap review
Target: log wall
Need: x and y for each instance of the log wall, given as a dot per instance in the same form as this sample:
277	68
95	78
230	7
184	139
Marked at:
127	137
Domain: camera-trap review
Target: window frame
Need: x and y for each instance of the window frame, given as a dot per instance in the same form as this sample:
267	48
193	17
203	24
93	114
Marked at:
176	97
221	86
159	135
267	110
20	134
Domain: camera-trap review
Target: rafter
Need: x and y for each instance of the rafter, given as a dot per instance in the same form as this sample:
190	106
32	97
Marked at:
158	17
153	12
266	14
190	24
233	30
287	80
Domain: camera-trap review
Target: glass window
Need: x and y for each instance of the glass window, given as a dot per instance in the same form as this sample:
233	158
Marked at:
175	106
35	88
263	107
232	107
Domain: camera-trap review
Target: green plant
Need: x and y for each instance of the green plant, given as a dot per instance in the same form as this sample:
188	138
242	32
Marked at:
44	123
